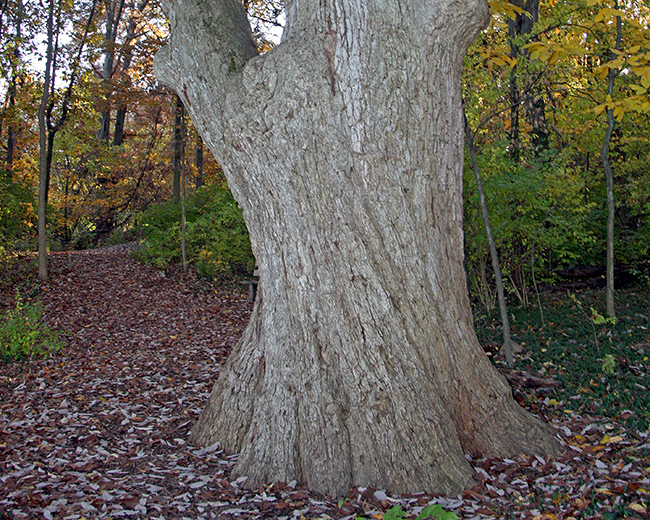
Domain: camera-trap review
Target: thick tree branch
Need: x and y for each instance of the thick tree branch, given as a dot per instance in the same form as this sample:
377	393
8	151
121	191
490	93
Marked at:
211	41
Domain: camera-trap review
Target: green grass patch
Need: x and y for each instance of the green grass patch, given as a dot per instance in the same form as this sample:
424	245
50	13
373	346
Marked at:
603	364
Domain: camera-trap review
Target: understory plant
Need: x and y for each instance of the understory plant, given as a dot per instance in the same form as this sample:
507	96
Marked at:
217	240
433	512
17	216
602	363
24	335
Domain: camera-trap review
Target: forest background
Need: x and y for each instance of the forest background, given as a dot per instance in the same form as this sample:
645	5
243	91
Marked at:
556	99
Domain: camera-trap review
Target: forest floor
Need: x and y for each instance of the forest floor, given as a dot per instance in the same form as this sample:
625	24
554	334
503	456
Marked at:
100	428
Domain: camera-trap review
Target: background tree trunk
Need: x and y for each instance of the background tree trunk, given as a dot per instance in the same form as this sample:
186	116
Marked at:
198	161
344	147
507	348
521	32
609	177
44	164
113	17
125	81
16	71
178	150
48	128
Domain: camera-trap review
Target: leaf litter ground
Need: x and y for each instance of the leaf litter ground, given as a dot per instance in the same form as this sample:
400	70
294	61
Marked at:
100	429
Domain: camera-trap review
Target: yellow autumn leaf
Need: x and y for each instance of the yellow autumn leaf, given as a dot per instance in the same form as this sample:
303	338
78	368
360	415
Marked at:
606	12
619	113
609	440
579	439
637	508
510	10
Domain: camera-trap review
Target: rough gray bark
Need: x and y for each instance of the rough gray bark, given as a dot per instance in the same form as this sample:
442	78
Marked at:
344	148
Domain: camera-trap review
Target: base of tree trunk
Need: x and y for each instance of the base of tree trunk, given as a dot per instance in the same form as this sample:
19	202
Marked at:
378	419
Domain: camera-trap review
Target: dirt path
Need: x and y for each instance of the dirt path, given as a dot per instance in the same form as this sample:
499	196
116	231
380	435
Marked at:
100	429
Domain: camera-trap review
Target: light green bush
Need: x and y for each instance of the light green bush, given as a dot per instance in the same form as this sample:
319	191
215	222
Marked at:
23	335
217	240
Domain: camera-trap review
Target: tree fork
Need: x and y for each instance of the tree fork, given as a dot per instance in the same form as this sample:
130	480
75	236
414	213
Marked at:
343	147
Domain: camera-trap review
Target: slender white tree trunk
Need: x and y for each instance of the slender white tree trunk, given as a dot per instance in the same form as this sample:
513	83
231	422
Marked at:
609	179
344	147
508	347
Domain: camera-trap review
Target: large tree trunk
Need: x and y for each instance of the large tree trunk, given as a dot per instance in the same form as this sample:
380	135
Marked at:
344	147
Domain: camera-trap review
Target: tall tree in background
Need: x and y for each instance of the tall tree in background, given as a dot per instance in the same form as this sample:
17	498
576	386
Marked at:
198	161
179	113
611	41
508	347
343	146
113	10
44	171
117	61
524	84
609	175
133	32
50	123
15	72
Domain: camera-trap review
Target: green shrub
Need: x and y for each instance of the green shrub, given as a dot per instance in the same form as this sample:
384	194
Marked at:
217	240
23	335
17	215
539	217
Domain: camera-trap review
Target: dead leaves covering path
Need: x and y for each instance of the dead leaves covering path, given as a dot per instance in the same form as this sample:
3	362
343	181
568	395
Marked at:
100	429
